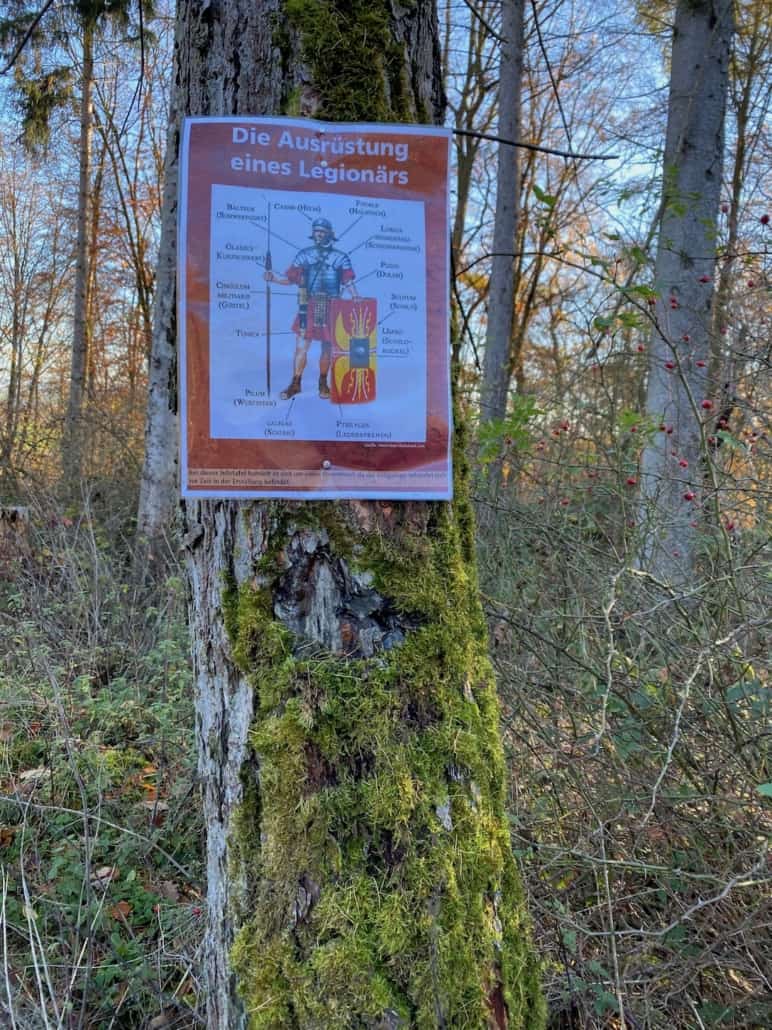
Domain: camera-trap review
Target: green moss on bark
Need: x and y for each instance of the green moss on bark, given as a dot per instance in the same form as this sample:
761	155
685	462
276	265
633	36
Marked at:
355	64
386	882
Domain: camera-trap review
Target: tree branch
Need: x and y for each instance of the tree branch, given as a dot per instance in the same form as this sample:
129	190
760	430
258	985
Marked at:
33	25
536	147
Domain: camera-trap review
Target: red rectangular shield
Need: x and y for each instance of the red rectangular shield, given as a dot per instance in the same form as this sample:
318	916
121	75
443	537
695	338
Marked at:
354	325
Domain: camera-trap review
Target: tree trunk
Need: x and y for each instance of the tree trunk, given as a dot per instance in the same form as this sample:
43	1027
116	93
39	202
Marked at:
72	443
671	475
501	289
158	486
359	871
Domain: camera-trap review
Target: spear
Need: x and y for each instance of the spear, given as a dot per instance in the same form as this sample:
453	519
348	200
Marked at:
268	268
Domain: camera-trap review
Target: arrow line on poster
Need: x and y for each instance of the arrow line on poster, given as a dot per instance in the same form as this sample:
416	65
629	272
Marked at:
353	224
253	221
363	243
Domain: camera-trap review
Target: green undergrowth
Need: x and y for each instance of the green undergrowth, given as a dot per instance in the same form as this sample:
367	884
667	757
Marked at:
98	845
387	890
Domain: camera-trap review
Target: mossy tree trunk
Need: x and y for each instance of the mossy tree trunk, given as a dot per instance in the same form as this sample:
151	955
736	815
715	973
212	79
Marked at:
359	866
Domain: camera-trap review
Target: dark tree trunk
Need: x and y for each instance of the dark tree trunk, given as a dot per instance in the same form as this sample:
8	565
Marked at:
358	858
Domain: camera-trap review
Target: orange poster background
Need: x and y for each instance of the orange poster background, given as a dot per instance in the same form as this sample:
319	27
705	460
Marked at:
289	468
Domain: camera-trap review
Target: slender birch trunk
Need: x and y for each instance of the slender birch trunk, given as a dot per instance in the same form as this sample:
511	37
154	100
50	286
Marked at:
359	871
677	395
73	442
158	486
501	289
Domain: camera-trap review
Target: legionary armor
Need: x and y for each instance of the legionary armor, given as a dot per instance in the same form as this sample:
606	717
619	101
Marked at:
319	272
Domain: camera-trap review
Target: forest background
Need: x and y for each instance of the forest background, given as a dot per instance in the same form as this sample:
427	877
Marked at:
636	717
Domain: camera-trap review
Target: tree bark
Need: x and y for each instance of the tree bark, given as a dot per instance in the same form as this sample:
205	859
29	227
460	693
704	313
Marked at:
72	443
677	394
501	289
158	485
359	871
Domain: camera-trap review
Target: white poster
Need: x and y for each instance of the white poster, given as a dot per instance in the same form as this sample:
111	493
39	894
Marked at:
258	346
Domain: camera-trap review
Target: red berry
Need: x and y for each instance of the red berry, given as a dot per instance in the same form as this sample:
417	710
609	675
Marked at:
684	463
564	426
729	526
564	501
651	301
669	430
689	495
764	219
711	440
640	348
670	365
633	429
700	364
751	284
196	910
707	405
686	337
631	480
724	209
705	279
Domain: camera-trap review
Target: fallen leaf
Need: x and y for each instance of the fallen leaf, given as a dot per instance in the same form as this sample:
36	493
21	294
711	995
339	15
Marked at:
121	910
7	834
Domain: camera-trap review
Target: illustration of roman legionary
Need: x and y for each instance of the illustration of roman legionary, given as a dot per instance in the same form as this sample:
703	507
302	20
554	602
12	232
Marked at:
321	273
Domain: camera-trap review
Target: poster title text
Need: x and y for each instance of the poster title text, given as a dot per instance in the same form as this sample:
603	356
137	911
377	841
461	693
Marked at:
326	156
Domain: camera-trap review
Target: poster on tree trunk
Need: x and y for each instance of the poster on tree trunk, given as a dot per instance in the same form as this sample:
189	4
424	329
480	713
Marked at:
313	310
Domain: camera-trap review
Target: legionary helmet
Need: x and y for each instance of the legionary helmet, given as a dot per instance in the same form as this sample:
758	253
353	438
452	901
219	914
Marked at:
324	225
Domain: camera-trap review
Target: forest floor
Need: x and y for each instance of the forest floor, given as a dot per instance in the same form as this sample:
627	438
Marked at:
637	728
